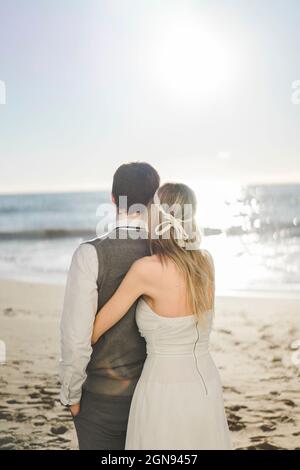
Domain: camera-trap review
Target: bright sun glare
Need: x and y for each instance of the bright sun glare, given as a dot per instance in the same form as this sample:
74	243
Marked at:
193	61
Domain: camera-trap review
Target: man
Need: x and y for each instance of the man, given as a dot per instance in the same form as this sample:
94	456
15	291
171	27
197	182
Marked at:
98	383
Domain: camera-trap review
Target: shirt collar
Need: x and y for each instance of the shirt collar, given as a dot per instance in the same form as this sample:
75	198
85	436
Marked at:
132	223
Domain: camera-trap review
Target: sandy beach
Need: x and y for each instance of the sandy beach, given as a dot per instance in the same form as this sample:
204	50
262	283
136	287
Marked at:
251	344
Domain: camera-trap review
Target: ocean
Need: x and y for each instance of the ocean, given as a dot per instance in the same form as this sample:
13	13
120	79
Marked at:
253	233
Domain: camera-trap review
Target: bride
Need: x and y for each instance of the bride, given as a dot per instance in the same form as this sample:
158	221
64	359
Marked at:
178	401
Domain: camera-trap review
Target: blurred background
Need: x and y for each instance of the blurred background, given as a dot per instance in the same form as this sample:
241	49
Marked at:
206	91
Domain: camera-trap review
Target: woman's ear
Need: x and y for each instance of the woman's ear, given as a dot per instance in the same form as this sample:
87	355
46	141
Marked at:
113	199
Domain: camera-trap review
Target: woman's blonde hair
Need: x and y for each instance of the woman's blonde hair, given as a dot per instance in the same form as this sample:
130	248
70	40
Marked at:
174	234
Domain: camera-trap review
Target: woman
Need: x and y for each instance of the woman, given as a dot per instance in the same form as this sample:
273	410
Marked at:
178	400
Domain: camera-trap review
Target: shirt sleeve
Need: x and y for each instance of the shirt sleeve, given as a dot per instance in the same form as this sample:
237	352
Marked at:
79	310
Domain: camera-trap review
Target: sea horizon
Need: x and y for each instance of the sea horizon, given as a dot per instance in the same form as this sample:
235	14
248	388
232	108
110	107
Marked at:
107	187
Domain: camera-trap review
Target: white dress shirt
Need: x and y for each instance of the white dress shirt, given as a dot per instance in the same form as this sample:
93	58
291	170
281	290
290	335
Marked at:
79	310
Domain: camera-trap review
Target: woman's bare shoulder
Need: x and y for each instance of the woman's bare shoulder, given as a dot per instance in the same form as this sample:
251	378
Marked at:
147	266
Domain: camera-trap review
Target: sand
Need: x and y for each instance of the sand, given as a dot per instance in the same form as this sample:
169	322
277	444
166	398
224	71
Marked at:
251	344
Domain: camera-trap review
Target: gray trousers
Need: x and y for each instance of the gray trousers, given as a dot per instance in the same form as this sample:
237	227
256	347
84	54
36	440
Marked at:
102	422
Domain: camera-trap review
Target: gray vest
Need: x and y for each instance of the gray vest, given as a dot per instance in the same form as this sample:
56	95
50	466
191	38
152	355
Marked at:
118	356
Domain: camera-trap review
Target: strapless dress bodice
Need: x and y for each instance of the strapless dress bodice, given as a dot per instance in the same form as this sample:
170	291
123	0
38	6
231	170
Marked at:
182	335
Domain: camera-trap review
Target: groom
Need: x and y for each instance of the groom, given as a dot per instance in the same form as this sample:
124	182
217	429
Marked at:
98	383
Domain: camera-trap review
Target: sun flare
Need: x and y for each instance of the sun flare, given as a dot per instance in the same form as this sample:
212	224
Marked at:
192	60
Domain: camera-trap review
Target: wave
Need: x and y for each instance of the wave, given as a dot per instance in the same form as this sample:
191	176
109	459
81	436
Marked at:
280	231
43	234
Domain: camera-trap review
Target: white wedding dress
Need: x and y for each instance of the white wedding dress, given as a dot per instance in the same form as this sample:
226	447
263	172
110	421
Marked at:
177	403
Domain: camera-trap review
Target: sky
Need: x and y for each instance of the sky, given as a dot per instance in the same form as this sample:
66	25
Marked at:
200	89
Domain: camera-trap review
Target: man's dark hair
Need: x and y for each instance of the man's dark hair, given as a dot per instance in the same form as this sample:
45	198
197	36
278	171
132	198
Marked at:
137	180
